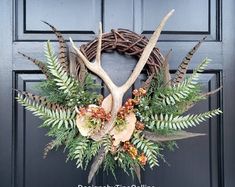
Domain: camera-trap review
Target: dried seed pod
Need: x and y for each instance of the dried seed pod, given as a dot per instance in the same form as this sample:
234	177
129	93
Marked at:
133	152
139	126
126	145
135	92
142	159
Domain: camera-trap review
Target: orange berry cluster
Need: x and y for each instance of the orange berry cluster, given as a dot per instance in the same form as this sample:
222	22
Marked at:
139	126
130	103
142	159
96	112
126	108
131	149
139	92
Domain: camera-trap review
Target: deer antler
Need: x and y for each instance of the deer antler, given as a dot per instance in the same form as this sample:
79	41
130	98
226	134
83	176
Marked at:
118	92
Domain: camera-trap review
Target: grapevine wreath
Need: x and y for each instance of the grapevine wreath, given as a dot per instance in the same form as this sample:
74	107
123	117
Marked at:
102	129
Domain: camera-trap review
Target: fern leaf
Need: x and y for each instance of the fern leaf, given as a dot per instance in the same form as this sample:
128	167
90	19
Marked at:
150	149
181	122
176	93
52	118
179	92
92	151
107	143
80	151
200	68
126	162
63	81
110	164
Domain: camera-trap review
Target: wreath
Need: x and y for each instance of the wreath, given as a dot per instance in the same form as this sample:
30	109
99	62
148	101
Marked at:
105	130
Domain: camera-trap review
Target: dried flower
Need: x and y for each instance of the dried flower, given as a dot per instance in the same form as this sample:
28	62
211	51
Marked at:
139	125
135	92
130	103
126	145
133	152
95	112
142	91
142	159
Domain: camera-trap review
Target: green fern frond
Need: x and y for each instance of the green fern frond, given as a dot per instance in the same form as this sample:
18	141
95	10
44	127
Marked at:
181	122
200	68
52	117
126	162
107	143
80	150
60	136
110	165
92	150
63	80
150	149
178	93
95	146
50	91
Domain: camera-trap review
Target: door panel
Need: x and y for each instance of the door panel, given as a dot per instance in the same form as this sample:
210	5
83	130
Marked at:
198	162
191	21
67	15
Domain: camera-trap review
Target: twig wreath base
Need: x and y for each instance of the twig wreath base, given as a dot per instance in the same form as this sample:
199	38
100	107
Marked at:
108	131
127	42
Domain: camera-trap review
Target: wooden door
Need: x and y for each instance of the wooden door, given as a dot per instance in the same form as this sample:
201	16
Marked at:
206	161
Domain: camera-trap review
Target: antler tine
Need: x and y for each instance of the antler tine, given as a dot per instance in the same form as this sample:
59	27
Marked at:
95	67
146	53
98	52
118	92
